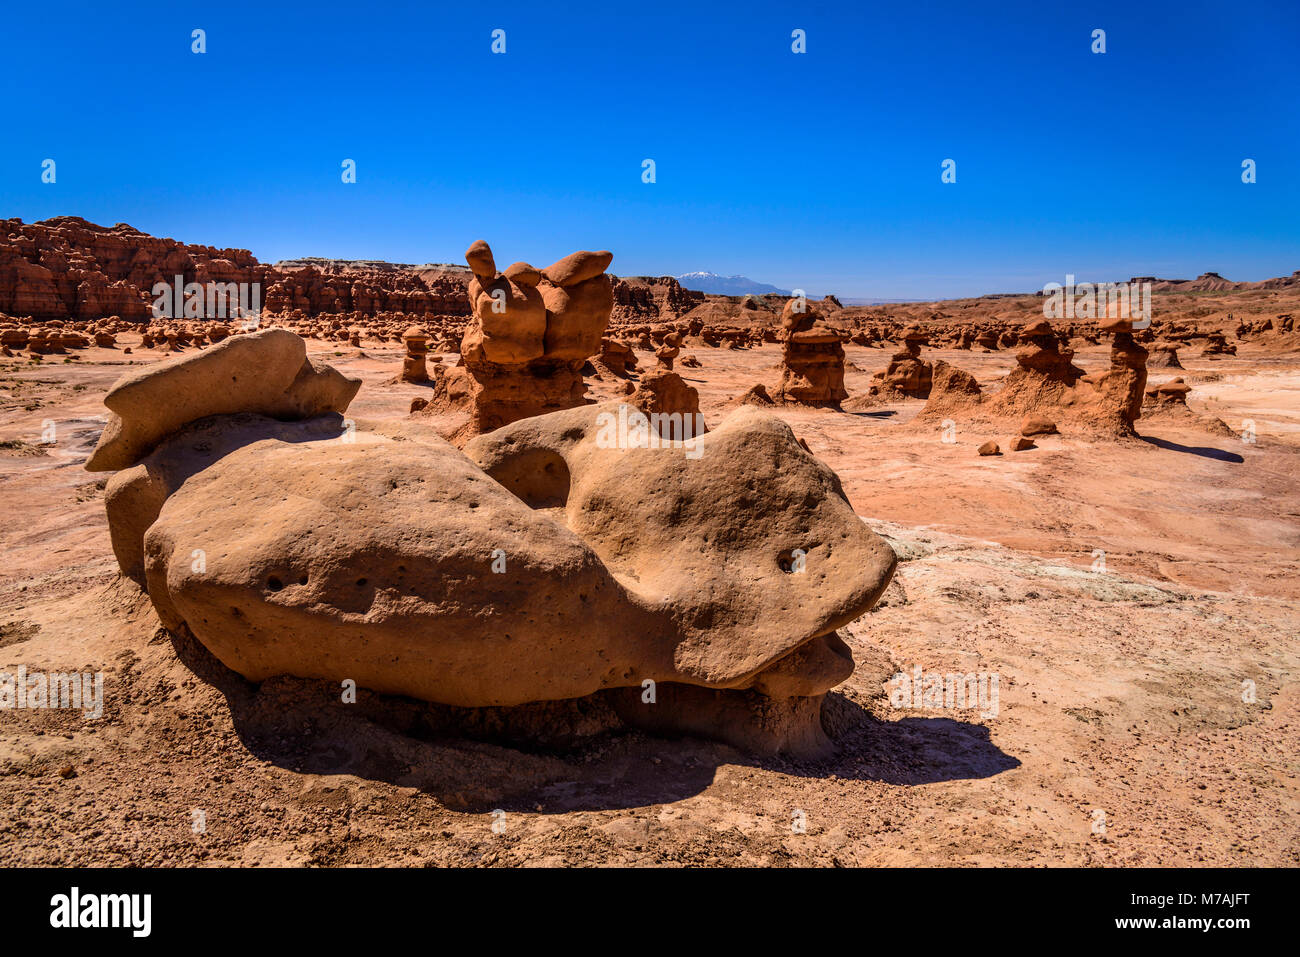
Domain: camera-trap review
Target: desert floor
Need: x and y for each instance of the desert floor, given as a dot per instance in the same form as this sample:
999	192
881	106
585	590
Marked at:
1122	735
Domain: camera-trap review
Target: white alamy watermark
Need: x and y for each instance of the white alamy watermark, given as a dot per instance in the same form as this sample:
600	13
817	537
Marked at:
936	691
57	690
75	909
1098	300
213	300
633	429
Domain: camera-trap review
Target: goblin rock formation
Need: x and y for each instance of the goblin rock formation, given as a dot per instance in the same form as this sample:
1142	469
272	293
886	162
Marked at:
667	352
1167	401
558	558
529	337
812	357
907	375
1217	345
1164	355
1047	387
1119	391
616	359
1044	377
415	364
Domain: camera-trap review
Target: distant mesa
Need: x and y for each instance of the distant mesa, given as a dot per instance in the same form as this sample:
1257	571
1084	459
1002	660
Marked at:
327	265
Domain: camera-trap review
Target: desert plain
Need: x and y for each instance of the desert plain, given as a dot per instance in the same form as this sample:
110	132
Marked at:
1136	597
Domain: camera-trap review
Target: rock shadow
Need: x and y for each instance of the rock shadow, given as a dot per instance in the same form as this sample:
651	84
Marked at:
1207	452
577	757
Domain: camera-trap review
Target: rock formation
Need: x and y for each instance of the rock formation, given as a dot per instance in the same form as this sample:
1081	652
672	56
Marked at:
1168	402
952	391
579	460
755	395
666	393
1216	345
69	268
528	339
652	299
267	373
415	364
1046	387
812	357
557	558
667	352
1164	355
1044	377
1169	393
907	375
616	357
1118	402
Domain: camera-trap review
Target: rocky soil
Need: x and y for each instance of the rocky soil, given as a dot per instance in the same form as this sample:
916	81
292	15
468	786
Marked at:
1128	594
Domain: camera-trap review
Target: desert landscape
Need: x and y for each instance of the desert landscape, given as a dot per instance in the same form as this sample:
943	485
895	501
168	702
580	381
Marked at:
456	565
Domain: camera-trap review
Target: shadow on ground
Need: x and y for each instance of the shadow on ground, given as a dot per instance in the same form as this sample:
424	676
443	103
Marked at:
1203	451
556	756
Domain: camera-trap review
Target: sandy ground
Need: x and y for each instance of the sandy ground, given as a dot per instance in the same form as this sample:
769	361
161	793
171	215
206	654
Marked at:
1123	733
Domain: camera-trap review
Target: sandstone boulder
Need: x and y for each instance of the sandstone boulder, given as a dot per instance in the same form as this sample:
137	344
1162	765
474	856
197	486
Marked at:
558	558
1037	425
266	372
611	494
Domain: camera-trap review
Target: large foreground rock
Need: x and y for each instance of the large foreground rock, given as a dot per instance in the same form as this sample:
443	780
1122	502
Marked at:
707	530
564	555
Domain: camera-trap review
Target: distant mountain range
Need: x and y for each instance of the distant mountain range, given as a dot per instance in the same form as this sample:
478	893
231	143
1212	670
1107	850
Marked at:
715	285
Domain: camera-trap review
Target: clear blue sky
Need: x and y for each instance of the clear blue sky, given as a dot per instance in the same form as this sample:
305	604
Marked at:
819	171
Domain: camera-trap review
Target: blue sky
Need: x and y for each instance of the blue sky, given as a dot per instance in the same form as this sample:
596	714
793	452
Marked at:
818	171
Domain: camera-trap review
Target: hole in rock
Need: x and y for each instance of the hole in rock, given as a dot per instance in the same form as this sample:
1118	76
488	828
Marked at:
538	476
786	561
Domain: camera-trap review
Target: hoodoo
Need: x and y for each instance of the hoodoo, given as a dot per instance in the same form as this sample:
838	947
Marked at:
530	334
812	357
